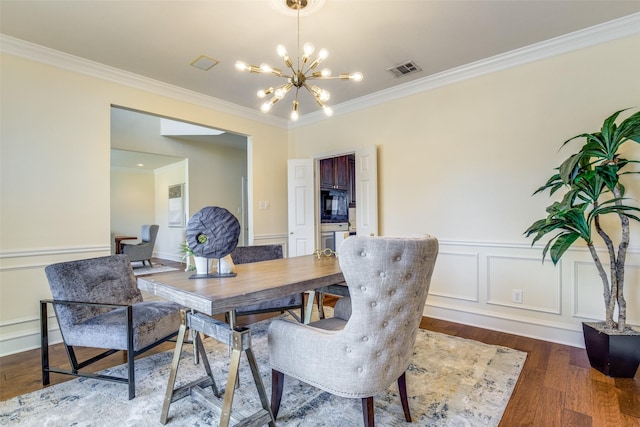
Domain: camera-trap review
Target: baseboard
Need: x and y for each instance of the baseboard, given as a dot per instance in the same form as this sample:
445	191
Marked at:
547	331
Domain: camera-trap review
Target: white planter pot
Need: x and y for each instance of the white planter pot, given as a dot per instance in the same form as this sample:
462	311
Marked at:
202	265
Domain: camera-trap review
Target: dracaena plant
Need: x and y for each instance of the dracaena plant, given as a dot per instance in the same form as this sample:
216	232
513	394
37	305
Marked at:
591	181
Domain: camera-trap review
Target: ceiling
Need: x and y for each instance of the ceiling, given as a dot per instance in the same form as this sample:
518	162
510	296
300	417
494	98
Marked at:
123	120
132	160
160	39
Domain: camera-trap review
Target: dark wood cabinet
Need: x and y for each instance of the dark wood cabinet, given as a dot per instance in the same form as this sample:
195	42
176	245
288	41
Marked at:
352	181
339	173
334	173
327	174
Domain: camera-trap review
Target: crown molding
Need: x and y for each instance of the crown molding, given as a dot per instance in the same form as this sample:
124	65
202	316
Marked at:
608	31
618	28
45	55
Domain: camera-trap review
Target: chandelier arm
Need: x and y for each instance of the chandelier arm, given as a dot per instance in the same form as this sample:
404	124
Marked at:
315	95
299	73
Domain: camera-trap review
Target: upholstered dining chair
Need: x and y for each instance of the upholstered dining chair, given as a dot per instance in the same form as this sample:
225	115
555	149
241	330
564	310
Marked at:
98	304
368	343
142	251
248	254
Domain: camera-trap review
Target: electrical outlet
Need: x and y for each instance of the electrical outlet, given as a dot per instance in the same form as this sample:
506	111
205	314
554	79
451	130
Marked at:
516	296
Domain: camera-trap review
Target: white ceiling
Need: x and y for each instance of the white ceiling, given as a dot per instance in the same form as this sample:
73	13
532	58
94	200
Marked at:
132	160
159	39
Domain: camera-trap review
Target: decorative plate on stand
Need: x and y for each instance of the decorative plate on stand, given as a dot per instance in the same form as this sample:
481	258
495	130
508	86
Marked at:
213	232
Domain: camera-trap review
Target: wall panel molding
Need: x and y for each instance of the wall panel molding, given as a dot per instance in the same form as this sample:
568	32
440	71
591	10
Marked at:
40	258
526	274
462	280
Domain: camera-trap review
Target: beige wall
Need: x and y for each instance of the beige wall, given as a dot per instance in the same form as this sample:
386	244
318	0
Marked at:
132	201
55	176
461	162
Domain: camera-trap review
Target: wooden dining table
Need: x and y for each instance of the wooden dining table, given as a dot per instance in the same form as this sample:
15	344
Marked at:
253	283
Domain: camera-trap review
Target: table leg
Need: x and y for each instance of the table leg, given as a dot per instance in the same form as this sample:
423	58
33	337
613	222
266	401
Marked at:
240	339
168	396
311	299
242	342
172	394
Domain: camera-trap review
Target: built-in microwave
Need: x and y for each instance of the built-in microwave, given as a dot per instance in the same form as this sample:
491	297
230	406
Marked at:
334	206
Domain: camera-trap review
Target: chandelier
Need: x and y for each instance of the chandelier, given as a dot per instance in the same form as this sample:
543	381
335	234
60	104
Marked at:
300	76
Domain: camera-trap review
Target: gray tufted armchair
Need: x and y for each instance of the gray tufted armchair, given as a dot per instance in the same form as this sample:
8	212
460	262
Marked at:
369	343
143	251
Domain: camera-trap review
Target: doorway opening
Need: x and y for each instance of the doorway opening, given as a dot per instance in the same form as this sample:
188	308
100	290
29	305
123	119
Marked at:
210	164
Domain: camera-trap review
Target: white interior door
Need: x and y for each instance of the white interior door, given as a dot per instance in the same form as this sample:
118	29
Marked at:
301	207
367	191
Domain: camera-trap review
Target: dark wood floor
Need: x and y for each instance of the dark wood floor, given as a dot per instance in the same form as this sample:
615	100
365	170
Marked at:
557	387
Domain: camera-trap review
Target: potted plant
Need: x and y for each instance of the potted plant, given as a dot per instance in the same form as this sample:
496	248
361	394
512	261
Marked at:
590	180
200	264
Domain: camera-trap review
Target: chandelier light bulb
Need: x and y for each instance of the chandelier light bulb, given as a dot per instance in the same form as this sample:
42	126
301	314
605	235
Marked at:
356	77
307	50
266	107
294	112
325	72
322	55
242	66
327	110
264	92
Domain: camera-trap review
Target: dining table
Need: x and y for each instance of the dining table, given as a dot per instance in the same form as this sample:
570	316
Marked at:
118	242
204	297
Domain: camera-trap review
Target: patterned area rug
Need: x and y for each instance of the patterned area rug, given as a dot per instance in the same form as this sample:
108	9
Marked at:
139	269
451	382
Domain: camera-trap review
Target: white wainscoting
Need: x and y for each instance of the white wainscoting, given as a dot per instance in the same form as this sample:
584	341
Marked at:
461	272
273	239
473	283
24	284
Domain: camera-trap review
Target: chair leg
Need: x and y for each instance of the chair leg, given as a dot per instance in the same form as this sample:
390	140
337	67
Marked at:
277	385
131	354
402	387
367	411
44	343
150	265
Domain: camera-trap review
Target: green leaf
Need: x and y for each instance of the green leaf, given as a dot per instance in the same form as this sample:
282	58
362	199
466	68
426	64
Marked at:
561	245
569	168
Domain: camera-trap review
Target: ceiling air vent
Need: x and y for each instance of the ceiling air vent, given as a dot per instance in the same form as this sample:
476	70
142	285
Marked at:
407	67
204	62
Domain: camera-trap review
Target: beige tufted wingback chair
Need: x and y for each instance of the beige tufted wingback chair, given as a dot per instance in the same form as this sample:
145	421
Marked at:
368	344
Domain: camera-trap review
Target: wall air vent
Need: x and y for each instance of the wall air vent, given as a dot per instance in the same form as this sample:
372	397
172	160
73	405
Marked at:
407	67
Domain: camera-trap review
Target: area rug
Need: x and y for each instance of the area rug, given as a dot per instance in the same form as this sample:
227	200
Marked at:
451	382
140	269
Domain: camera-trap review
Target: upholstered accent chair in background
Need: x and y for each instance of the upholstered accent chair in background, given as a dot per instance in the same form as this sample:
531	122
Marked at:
98	304
248	254
142	251
368	343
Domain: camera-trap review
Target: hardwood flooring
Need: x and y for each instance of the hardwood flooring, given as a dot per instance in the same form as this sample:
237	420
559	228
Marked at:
557	387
